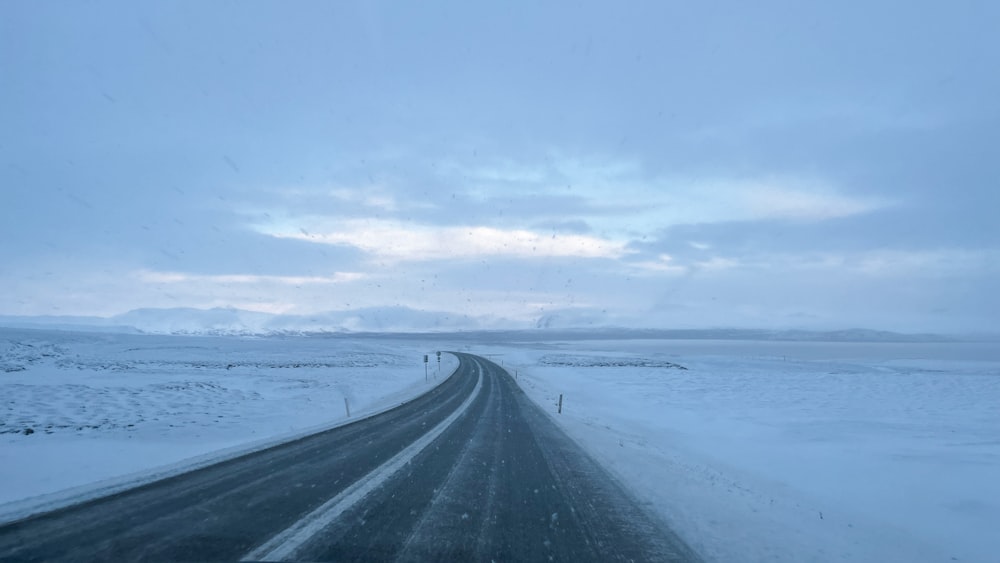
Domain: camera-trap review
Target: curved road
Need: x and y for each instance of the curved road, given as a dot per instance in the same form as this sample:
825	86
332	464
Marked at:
471	471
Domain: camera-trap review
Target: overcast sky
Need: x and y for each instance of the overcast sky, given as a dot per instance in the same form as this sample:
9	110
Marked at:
676	164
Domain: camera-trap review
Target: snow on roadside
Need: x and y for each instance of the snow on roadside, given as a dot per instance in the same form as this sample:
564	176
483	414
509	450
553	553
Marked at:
798	456
89	413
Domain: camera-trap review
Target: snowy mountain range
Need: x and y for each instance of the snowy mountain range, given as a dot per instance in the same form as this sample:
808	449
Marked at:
230	321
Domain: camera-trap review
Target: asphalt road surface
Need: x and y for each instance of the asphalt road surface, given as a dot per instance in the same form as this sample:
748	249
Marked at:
471	471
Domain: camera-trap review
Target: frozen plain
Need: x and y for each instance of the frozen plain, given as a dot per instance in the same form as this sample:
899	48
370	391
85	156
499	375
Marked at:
106	411
764	451
791	451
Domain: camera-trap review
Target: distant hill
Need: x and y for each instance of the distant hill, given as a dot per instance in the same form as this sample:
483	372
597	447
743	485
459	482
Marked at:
618	333
230	321
404	320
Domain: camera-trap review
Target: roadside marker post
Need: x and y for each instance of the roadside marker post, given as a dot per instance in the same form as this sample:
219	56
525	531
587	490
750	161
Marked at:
560	403
347	407
425	369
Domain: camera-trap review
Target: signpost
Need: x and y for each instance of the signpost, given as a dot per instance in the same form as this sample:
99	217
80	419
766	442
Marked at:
425	368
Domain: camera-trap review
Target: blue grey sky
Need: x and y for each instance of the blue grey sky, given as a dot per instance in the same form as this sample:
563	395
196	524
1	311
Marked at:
675	164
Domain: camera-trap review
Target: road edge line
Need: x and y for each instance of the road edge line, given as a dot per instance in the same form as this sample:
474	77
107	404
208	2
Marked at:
285	543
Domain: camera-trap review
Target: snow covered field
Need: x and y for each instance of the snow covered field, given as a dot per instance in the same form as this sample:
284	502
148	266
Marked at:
752	451
791	451
87	412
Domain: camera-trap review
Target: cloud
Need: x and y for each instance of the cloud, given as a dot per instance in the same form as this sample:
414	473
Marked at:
610	197
622	195
667	264
399	241
764	201
348	199
807	150
367	197
903	264
664	263
148	276
707	200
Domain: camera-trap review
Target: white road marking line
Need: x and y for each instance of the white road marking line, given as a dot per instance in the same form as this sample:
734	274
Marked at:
284	545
